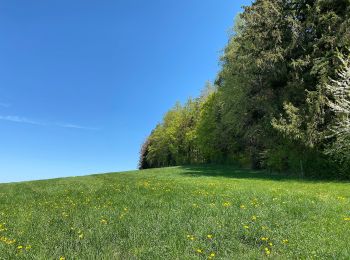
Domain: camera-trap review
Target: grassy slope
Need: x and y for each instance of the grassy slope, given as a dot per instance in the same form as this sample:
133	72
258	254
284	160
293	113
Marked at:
169	213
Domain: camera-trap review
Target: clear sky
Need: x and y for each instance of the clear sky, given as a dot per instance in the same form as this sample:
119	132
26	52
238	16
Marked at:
82	83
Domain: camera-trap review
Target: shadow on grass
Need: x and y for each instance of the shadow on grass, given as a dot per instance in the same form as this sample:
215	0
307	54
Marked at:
239	173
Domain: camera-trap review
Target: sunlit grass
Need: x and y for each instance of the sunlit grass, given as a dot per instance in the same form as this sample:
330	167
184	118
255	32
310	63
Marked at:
175	213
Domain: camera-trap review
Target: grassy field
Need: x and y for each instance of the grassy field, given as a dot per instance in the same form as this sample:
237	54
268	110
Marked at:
175	213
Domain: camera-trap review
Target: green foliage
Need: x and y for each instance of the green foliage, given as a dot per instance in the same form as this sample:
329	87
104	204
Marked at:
143	162
270	95
208	129
173	141
290	127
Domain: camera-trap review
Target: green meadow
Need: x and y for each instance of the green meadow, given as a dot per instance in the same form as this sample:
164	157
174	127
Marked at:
176	213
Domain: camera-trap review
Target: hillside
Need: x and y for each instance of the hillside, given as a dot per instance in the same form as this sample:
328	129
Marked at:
175	213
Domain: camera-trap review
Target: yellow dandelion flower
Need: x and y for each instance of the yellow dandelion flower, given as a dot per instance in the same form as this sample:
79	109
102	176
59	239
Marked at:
267	251
270	244
245	226
212	254
19	247
285	241
62	258
264	238
347	219
226	204
210	236
28	247
242	206
190	237
254	218
199	251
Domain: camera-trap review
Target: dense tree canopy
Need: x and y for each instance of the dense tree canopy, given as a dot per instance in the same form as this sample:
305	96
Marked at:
277	101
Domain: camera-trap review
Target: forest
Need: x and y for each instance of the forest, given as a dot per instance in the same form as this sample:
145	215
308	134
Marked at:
280	102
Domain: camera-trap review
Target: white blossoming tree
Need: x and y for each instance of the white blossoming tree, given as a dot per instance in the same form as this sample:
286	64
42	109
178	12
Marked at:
339	102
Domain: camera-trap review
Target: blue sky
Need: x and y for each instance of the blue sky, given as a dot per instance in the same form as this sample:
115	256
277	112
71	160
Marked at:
82	83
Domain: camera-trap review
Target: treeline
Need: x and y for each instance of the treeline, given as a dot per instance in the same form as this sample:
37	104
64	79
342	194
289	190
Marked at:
281	100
